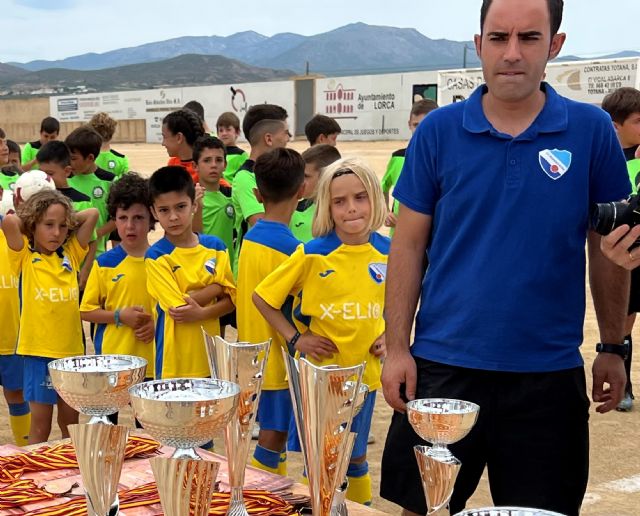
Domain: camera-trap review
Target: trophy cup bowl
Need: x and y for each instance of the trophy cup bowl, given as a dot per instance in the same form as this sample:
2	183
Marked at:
184	413
507	511
442	421
96	385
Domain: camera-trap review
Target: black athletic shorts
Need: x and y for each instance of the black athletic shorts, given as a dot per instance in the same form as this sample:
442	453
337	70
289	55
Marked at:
532	434
634	293
229	319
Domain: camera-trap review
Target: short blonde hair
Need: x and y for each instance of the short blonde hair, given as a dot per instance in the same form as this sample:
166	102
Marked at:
323	223
32	211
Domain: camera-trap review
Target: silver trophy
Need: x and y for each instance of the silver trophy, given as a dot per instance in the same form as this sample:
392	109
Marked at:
96	385
242	363
339	505
324	400
440	422
507	511
184	413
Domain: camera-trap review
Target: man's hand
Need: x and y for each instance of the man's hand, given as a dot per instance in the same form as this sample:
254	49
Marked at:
146	332
399	368
315	346
616	244
134	316
390	220
608	368
190	312
379	349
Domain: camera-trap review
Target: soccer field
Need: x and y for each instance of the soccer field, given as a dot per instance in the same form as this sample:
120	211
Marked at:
614	487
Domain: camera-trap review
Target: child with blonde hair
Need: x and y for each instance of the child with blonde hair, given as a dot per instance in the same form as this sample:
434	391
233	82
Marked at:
338	279
47	242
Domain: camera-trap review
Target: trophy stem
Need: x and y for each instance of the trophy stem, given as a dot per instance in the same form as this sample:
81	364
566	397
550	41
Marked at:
186	453
104	420
236	503
441	452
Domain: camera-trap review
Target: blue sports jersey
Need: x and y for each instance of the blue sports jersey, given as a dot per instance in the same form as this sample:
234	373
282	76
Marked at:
505	286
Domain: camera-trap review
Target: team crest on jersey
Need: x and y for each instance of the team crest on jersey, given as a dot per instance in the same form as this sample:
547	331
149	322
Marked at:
231	213
111	164
210	266
378	272
554	162
98	192
66	264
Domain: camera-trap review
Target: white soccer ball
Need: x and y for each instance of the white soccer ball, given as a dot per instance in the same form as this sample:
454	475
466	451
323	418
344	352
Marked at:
32	182
6	203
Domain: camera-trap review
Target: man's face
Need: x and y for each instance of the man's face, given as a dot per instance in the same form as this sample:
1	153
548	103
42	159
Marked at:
514	48
629	131
414	122
47	137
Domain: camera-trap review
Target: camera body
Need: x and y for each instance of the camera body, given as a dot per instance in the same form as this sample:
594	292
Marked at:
606	217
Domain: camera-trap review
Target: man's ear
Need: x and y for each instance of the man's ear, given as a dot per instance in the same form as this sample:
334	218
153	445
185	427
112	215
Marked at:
556	44
477	40
616	126
268	139
256	192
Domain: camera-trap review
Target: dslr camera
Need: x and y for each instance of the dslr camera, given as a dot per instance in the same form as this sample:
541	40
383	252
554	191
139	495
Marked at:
606	217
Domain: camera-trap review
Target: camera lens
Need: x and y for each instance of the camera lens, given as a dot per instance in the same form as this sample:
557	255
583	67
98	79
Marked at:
603	217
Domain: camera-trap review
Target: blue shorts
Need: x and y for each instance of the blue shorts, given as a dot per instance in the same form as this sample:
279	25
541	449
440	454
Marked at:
37	382
275	410
11	372
361	425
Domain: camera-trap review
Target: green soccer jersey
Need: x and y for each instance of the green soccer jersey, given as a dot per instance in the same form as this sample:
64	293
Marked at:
394	167
235	159
114	162
302	220
218	218
29	153
96	185
244	201
7	180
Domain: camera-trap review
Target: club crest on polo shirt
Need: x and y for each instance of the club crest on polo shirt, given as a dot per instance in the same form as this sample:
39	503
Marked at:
210	265
554	162
378	271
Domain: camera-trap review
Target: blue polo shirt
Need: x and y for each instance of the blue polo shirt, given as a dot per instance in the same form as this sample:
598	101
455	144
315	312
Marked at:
505	288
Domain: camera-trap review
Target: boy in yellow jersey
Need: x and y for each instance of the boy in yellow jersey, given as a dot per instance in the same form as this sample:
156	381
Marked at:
188	276
11	365
279	177
116	298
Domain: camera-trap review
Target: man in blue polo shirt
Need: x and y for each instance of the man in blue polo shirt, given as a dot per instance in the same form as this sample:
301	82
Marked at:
498	190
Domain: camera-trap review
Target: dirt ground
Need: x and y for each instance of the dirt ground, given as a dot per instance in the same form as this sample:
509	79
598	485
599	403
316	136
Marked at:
614	486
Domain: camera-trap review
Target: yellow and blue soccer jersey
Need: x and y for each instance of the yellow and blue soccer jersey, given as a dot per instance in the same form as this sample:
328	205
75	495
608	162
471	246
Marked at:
9	301
341	291
172	272
265	247
50	312
118	281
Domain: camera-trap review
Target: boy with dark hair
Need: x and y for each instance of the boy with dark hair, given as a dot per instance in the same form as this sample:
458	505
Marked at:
315	159
279	177
419	110
266	128
228	128
217	209
322	129
14	154
84	146
54	159
623	105
49	130
8	173
188	276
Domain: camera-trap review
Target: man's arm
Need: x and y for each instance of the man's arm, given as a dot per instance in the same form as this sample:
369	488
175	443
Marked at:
616	246
610	292
404	276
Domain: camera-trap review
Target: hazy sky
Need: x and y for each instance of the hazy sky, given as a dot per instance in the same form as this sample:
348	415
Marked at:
54	29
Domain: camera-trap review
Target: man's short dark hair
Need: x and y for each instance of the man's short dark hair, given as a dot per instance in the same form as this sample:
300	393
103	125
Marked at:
321	155
49	125
130	189
320	125
207	142
196	107
279	174
423	107
56	152
263	127
85	140
171	179
261	112
622	103
555	14
228	119
13	146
